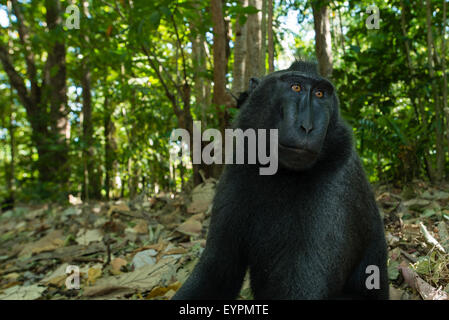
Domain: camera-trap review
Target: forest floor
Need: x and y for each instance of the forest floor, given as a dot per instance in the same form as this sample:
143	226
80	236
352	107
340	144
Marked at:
145	248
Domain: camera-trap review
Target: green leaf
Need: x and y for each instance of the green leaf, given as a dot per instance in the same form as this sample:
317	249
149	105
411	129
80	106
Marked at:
393	271
423	266
155	19
355	48
248	10
428	213
166	11
398	131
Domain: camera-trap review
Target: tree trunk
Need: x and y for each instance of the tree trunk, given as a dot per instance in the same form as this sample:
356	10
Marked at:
270	37
263	39
443	67
438	114
201	87
342	36
219	51
91	178
56	78
133	178
220	98
88	174
323	43
254	43
11	182
50	128
12	144
9	166
238	84
421	114
107	147
181	175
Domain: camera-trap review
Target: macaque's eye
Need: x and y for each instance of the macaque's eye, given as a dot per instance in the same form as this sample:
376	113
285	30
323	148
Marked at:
296	87
319	94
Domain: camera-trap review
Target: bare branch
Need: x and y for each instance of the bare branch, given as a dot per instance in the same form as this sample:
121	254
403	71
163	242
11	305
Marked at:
180	47
117	8
154	66
114	7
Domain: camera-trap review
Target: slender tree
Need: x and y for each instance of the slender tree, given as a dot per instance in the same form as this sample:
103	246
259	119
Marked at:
443	67
263	39
270	37
254	42
221	98
323	42
436	99
238	82
45	101
91	179
201	86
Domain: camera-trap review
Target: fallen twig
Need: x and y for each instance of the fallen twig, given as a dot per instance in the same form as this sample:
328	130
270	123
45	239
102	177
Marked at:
426	291
430	239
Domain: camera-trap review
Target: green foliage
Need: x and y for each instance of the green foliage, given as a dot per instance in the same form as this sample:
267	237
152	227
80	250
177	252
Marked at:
377	97
390	106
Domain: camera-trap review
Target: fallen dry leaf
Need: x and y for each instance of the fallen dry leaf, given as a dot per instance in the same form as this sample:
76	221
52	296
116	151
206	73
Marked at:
92	275
22	292
161	291
146	257
141	227
169	294
70	253
56	276
190	244
118	207
175	251
85	237
198	217
202	196
145	278
11	276
50	242
190	227
116	265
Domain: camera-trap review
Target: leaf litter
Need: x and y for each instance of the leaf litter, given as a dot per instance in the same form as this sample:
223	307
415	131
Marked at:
147	247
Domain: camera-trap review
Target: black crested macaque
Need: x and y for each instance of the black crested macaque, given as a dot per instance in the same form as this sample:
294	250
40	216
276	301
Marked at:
310	231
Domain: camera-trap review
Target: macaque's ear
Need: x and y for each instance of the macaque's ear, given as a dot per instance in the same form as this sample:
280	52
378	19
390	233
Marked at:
241	99
253	83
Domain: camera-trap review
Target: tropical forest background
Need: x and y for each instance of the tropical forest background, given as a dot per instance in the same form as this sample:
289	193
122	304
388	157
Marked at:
90	91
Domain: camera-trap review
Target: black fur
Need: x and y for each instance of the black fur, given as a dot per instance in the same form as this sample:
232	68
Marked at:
303	234
308	67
